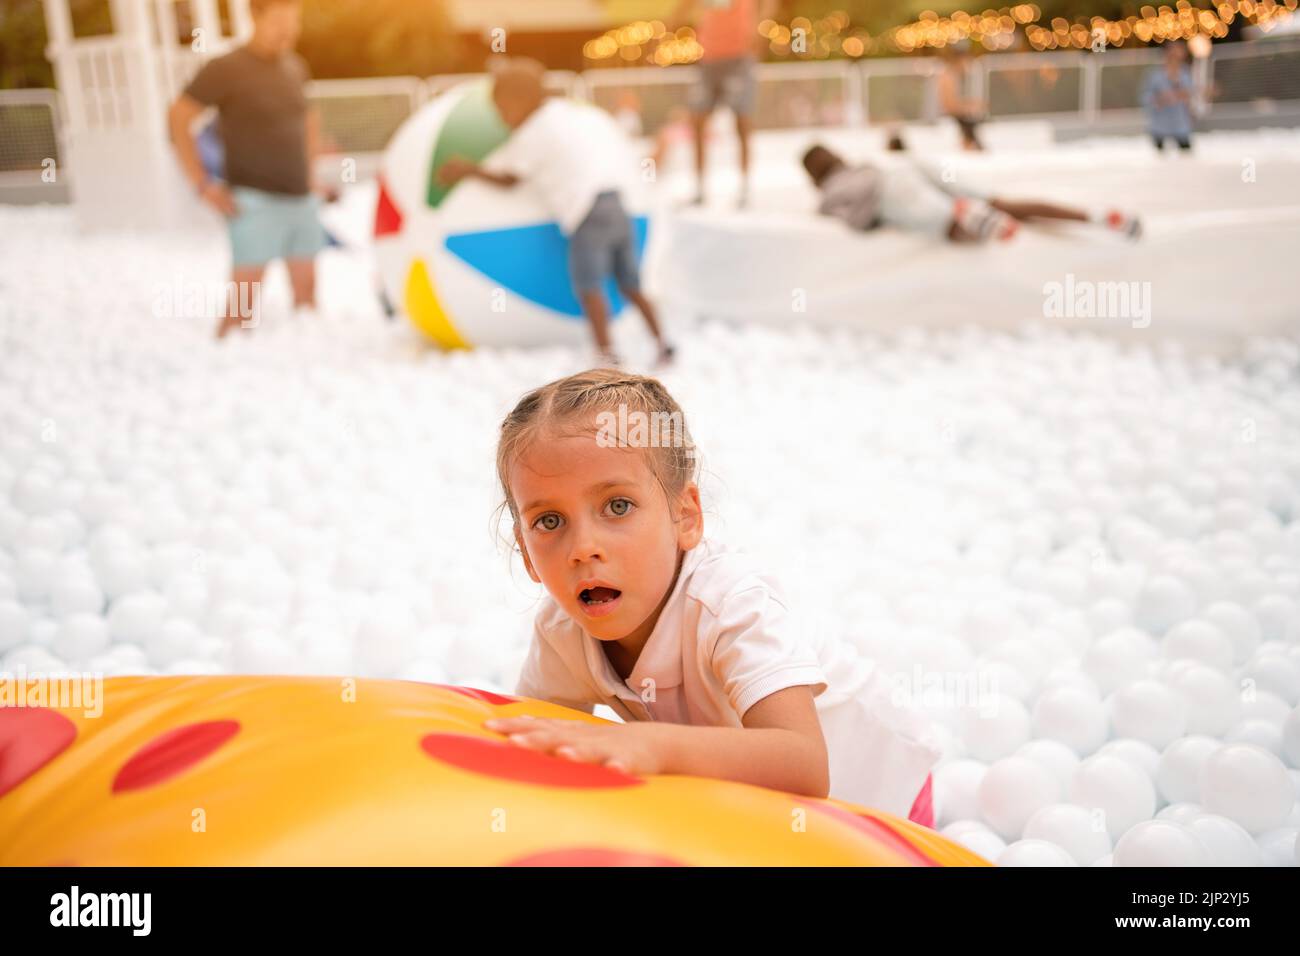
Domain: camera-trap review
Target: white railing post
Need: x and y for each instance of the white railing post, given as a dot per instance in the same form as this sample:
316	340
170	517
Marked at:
1090	87
854	112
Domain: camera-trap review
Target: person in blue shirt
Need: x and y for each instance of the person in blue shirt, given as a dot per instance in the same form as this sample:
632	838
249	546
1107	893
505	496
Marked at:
1167	98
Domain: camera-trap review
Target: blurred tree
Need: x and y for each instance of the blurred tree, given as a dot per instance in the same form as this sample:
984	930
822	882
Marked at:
23	38
343	38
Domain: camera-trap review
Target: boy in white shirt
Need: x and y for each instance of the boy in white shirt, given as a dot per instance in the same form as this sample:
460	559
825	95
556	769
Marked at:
693	646
906	195
575	157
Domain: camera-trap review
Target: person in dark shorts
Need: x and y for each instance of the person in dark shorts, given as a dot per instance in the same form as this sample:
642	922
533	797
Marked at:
966	112
727	30
270	136
575	156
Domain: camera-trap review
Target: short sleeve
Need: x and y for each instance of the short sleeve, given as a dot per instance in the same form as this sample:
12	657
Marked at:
209	84
545	676
758	649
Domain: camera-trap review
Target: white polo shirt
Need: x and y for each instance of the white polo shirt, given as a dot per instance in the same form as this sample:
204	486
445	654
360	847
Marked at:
724	641
569	152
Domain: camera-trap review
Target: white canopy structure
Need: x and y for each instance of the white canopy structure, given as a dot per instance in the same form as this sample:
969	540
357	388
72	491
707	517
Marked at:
116	89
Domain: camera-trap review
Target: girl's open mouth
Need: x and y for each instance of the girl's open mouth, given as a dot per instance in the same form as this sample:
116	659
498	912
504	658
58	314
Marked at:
599	601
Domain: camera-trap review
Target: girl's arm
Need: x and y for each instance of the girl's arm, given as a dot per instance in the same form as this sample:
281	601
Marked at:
781	746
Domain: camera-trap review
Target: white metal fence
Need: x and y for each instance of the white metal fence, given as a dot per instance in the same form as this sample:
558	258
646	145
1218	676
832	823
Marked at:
359	115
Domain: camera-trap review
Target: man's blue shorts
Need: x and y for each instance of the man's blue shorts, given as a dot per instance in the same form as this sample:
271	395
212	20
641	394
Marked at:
270	226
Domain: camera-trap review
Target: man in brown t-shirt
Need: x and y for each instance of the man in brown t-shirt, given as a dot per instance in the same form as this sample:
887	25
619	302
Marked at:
270	135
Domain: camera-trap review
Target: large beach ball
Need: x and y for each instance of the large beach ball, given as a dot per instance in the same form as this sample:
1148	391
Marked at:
475	264
329	771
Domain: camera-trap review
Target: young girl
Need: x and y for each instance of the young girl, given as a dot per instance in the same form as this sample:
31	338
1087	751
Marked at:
694	647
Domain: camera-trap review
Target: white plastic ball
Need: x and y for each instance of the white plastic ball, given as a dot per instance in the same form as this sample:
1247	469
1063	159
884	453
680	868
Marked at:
955	787
1119	658
1013	790
1279	618
1109	614
15	621
1278	847
1183	813
1120	790
174	640
1178	774
1072	717
1249	785
1275	672
1054	756
385	638
976	837
1148	710
1261	733
261	651
1290	738
1137	752
1079	832
1163	602
1198	640
995	727
77	594
134	618
35	574
1160	843
81	636
1238	625
1035	853
1228	843
1213	699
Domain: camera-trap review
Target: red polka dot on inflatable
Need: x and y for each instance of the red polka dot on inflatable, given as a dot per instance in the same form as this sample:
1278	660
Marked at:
507	761
30	737
593	856
484	695
173	752
878	830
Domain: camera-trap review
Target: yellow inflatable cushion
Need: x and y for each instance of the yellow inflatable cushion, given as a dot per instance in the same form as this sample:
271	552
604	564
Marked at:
240	771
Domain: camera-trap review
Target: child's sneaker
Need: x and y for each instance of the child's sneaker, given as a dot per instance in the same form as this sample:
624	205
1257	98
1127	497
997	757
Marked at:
608	358
666	354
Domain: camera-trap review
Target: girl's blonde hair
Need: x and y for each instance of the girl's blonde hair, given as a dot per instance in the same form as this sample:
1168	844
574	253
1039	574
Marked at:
581	399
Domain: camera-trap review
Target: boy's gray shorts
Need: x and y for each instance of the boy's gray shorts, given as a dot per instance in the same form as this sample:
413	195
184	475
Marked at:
732	82
602	245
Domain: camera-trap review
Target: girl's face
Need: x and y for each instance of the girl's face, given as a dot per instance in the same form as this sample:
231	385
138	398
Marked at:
597	530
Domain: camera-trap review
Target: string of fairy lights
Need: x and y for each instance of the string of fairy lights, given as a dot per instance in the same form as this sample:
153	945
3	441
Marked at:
835	35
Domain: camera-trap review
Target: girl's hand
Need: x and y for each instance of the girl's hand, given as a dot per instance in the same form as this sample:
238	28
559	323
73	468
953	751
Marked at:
632	748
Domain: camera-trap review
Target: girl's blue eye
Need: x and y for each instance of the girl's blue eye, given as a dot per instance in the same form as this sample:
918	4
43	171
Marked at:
547	522
621	507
